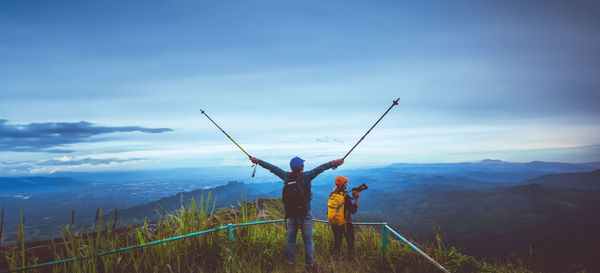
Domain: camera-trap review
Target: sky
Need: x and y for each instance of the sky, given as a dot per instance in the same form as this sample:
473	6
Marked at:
117	85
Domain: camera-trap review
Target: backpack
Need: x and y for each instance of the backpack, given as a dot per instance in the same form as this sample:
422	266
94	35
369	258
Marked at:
335	209
293	198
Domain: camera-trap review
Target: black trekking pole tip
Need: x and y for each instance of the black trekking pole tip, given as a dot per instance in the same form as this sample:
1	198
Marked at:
201	111
396	101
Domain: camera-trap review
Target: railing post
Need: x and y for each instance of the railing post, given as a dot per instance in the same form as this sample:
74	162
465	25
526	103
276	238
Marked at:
383	241
232	248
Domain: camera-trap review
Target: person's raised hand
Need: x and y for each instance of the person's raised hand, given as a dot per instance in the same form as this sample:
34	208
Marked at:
336	163
254	160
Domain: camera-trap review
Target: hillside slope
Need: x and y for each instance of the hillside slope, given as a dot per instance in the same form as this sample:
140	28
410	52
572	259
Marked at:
255	248
507	221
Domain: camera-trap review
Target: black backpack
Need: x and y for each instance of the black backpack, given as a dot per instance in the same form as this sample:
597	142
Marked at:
294	201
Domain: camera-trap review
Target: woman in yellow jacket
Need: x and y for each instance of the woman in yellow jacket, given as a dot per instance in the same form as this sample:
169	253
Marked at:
343	228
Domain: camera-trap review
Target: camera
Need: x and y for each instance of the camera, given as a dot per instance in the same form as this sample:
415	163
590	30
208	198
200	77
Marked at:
360	188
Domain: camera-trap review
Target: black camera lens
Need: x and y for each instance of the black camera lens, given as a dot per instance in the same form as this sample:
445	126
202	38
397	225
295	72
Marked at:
360	188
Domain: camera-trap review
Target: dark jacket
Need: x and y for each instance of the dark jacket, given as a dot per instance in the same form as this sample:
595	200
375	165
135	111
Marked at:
305	179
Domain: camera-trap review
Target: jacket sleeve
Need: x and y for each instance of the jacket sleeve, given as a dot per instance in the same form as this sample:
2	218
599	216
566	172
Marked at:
273	169
316	171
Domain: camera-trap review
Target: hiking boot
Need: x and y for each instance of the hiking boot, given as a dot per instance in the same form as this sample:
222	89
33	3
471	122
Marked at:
311	268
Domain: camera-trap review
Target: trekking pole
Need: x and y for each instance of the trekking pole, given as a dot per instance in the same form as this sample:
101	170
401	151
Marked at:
254	165
363	137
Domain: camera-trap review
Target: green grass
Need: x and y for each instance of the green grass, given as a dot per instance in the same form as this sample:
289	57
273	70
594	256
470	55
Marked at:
257	248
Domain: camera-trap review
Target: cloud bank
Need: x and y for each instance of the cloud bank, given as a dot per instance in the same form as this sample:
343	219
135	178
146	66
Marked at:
83	161
62	163
44	137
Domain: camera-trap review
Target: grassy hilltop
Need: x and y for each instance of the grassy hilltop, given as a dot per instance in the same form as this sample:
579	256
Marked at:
257	248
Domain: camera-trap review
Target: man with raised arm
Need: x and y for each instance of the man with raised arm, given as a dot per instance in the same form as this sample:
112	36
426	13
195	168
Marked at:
298	216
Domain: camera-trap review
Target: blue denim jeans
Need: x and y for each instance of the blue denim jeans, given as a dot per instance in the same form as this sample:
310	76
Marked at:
305	225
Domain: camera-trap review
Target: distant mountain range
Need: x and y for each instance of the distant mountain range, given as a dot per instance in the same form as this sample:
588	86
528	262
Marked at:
227	195
583	181
488	170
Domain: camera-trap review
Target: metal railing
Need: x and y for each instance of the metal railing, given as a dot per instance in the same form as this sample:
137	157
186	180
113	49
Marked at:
384	231
384	234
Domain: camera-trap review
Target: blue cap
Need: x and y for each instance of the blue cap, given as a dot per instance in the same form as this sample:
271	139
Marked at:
296	163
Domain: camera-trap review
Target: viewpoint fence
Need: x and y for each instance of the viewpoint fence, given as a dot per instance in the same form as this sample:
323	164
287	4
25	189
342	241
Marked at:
384	236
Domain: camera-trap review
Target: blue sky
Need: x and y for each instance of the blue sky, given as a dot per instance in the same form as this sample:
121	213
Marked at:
114	85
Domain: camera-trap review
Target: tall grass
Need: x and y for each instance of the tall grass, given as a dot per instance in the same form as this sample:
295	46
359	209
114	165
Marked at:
16	255
256	248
